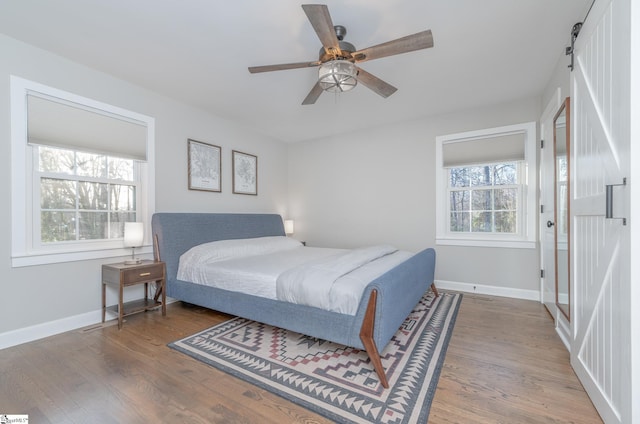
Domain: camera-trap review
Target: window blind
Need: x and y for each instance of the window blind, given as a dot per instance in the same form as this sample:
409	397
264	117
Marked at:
503	148
64	125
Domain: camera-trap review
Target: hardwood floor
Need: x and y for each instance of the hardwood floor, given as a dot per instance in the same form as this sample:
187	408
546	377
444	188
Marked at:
504	364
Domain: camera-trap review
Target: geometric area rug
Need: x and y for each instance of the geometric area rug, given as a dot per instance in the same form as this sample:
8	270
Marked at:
333	380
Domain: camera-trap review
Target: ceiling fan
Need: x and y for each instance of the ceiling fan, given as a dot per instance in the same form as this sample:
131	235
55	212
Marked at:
337	60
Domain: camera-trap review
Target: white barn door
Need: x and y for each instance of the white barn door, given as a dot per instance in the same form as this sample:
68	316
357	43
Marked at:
601	318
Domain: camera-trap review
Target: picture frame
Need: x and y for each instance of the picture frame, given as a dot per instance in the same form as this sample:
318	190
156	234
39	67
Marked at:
205	164
245	173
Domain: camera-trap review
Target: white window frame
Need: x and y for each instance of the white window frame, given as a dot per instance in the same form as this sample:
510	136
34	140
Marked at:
25	251
527	231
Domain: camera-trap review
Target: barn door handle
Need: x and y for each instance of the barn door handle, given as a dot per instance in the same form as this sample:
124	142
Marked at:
609	201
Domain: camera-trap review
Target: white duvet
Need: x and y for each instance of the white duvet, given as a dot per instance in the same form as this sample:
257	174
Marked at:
336	282
281	268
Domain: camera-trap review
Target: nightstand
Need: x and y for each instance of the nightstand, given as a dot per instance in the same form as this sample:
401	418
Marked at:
122	275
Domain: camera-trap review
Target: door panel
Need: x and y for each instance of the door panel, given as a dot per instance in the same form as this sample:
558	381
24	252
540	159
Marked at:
601	331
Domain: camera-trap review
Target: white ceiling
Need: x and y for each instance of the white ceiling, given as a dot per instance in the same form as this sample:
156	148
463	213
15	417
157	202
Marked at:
197	51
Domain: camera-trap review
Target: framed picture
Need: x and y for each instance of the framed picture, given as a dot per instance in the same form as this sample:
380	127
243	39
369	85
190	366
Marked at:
204	166
245	173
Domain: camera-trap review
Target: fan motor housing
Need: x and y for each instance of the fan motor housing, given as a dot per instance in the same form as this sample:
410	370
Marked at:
345	47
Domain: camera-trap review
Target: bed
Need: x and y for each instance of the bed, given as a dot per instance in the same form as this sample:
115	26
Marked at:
384	304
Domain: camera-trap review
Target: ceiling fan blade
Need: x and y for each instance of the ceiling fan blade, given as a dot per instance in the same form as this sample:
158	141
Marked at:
282	67
320	19
418	41
313	95
374	83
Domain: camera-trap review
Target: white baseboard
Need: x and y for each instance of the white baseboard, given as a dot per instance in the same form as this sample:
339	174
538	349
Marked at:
46	329
563	329
490	290
51	328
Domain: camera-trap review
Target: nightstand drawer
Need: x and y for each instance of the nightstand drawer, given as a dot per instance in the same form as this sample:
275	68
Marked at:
143	274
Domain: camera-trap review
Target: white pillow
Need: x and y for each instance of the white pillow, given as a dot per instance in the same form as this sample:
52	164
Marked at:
223	250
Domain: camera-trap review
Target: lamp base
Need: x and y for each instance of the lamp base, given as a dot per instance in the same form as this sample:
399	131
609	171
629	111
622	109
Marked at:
133	261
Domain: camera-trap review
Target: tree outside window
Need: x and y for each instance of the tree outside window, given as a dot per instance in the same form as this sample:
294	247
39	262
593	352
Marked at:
484	198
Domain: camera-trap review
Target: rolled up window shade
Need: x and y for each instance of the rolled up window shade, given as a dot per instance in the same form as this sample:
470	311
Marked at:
64	125
502	148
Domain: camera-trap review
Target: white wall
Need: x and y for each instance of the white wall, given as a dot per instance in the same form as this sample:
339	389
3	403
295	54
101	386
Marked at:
561	78
378	186
68	294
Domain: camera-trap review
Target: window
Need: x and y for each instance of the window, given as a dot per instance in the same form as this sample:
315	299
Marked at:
484	198
83	196
80	169
486	187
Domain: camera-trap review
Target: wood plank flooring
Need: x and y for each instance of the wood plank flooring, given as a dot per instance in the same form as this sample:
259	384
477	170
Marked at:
505	364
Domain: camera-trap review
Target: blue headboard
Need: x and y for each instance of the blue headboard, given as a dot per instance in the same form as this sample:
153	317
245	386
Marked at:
175	233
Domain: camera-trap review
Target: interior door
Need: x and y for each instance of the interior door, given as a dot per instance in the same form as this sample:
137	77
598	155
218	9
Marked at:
601	346
547	234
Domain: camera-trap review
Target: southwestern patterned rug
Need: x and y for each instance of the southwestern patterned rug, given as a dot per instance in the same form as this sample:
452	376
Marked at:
335	381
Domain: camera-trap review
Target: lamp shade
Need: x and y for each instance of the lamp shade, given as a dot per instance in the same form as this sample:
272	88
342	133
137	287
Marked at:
288	226
133	234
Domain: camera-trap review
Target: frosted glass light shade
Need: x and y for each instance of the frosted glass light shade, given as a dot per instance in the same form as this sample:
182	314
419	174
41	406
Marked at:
288	226
133	234
133	237
337	76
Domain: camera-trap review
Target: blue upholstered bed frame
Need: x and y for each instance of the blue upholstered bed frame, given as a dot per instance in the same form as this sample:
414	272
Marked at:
385	304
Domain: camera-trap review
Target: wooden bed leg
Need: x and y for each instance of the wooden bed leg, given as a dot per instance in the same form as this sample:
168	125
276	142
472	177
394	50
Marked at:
156	249
434	289
156	257
366	336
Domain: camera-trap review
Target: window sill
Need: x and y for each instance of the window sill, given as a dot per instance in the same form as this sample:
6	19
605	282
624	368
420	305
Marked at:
59	257
510	244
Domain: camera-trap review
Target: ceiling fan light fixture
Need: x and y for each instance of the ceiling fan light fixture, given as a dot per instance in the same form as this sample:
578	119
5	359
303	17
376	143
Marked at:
337	76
